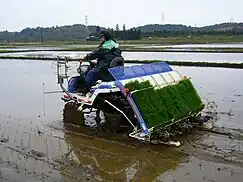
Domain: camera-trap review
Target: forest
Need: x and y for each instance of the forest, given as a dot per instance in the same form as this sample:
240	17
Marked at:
79	32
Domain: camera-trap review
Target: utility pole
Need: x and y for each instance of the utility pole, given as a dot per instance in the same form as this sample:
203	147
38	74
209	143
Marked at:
86	24
231	20
86	20
163	20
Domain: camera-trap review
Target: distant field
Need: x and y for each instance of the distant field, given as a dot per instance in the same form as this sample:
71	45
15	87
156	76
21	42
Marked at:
153	40
143	45
188	40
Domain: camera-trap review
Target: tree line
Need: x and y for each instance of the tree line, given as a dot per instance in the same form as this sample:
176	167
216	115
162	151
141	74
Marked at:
136	33
80	32
130	34
190	33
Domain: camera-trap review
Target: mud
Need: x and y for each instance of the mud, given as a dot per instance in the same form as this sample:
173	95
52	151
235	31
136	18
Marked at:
35	145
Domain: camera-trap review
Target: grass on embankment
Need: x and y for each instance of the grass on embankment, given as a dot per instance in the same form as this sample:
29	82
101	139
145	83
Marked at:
175	63
192	63
73	45
16	51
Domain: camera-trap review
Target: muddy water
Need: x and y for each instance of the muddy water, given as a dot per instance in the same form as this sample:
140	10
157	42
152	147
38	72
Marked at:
222	86
233	45
171	56
28	48
215	157
34	144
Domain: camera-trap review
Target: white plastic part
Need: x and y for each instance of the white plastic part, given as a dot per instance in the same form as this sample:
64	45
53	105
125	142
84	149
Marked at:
158	80
177	144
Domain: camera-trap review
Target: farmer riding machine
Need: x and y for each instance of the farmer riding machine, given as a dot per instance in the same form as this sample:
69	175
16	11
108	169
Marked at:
149	102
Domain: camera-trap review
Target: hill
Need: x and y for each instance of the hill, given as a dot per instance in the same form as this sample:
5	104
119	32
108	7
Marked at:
167	27
184	28
60	33
223	27
79	32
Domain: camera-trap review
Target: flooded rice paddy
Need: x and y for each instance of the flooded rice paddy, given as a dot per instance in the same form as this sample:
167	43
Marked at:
36	146
227	45
169	56
179	46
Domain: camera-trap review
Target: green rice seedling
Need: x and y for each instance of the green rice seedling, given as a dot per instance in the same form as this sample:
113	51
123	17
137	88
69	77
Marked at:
159	106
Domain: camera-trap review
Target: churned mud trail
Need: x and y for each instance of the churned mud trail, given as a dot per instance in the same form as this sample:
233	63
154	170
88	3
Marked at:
35	145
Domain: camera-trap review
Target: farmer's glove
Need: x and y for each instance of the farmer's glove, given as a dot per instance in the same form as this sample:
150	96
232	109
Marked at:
87	57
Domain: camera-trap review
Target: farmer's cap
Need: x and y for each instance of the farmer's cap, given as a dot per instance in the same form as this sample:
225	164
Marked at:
105	34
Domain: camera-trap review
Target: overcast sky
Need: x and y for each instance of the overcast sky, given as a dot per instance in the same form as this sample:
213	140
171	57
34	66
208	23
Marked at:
18	14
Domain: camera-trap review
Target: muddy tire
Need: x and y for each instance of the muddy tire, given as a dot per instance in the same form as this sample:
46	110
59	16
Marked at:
72	115
112	123
115	121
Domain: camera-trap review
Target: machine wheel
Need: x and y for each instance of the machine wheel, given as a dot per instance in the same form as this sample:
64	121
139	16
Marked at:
115	121
72	115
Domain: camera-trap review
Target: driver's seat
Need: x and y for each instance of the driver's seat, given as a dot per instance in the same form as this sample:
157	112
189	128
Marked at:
116	62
